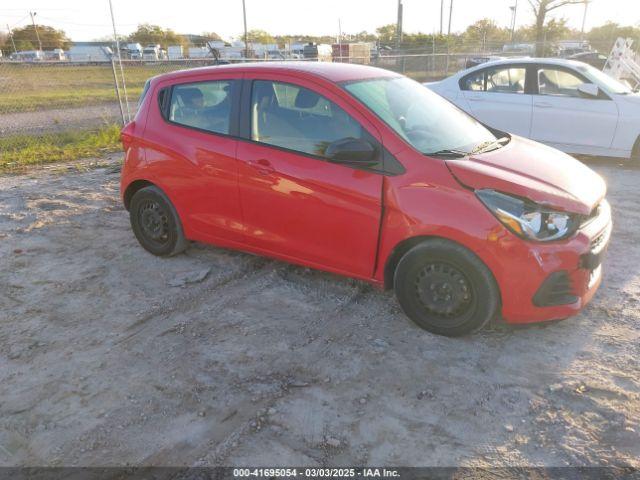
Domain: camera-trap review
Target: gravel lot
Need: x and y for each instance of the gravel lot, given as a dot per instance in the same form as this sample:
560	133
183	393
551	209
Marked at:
111	356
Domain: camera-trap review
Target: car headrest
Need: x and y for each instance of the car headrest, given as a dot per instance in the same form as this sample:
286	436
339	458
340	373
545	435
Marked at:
188	94
306	98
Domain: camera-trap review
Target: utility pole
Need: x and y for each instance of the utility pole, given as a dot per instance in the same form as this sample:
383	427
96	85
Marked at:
11	37
399	25
339	40
124	83
246	38
441	14
33	14
514	12
584	19
450	15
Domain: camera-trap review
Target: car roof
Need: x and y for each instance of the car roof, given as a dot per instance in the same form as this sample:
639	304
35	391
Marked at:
334	72
529	60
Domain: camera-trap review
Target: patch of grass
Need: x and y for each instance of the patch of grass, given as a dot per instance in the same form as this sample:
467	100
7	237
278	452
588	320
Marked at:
20	151
26	87
45	100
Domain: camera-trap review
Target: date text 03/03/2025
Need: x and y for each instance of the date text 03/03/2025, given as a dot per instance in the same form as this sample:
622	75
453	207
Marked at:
316	472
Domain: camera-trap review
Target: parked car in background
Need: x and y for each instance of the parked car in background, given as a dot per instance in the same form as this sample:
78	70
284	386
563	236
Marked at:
365	173
475	61
594	59
27	56
519	48
567	48
564	103
57	54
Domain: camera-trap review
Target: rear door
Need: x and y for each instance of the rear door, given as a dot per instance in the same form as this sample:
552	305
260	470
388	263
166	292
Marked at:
295	202
499	96
563	117
191	148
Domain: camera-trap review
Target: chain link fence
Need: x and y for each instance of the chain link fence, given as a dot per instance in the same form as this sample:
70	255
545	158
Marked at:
46	106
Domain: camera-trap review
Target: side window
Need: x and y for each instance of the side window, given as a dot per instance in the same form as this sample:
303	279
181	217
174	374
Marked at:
498	80
203	105
297	118
552	81
506	80
473	82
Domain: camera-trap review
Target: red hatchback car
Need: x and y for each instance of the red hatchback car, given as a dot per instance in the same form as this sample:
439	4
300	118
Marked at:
365	173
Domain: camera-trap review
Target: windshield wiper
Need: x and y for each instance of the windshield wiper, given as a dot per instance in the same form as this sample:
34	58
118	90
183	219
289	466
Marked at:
491	145
448	152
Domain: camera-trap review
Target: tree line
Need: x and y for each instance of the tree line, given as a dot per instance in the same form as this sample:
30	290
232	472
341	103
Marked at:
484	34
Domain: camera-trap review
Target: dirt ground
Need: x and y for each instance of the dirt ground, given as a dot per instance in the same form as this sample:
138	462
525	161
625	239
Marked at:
110	356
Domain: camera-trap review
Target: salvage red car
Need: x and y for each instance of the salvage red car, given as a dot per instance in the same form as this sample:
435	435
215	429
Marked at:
365	173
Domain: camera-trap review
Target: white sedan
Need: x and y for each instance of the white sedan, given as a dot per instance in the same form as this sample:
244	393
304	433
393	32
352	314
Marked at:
566	104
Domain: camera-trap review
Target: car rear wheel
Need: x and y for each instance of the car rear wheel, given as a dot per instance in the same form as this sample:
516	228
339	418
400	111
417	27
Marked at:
155	222
445	288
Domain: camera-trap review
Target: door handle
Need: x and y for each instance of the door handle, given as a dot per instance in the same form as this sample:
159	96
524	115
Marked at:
262	166
543	104
475	99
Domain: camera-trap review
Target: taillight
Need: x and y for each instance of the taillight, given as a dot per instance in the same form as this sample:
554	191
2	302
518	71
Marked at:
126	135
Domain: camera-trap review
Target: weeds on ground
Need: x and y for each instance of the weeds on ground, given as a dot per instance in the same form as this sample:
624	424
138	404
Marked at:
20	151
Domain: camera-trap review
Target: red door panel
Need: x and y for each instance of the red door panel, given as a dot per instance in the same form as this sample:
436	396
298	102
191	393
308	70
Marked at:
199	173
309	209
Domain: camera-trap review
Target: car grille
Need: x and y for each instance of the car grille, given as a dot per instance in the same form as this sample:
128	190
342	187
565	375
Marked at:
556	290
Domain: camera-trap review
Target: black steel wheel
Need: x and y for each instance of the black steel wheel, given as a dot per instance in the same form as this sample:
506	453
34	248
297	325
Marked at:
445	288
155	222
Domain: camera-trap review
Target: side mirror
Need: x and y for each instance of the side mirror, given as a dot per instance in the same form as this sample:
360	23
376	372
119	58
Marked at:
589	90
351	150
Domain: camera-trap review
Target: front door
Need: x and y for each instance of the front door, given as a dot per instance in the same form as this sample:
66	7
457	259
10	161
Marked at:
563	117
295	203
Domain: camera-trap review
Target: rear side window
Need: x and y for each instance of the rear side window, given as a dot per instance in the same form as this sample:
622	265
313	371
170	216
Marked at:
297	118
496	80
203	105
145	89
506	80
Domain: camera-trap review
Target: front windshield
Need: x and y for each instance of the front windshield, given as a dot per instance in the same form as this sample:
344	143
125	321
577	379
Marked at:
610	84
423	118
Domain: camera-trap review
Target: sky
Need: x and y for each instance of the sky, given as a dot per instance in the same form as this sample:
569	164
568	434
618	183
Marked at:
90	19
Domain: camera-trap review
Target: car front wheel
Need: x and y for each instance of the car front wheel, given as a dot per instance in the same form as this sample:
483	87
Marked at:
445	288
155	222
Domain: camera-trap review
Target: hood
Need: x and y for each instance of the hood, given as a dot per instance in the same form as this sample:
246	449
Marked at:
531	170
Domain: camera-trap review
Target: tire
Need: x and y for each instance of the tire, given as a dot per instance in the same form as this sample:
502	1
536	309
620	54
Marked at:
445	288
155	222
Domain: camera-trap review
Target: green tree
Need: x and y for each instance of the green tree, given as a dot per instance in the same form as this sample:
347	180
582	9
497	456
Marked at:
553	31
485	32
603	37
387	33
147	34
540	9
259	36
26	38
